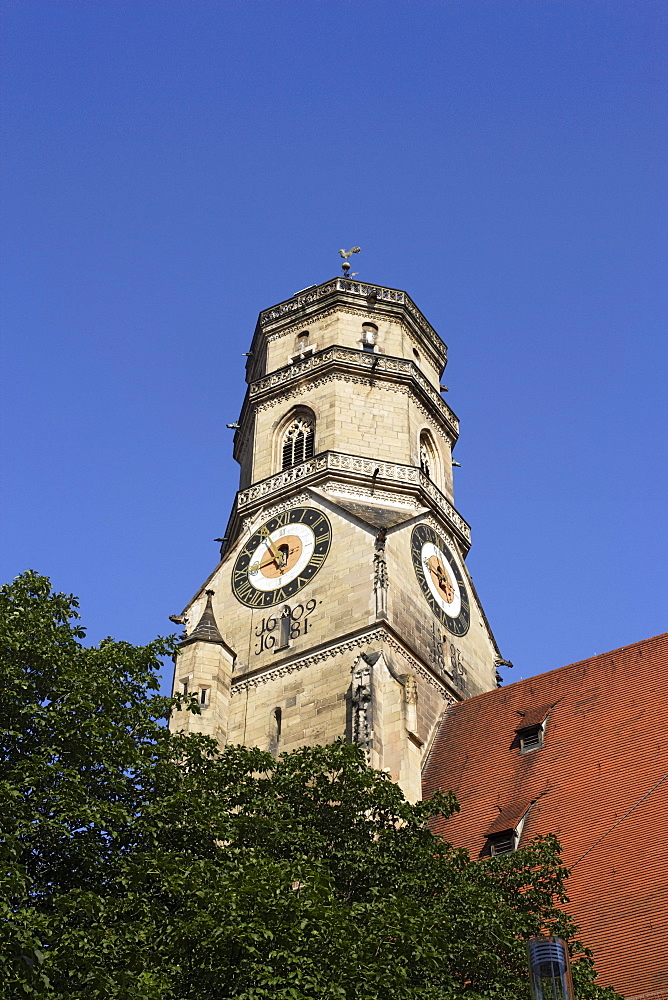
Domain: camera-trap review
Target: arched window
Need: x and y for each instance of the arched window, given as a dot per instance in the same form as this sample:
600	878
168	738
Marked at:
428	457
298	442
369	336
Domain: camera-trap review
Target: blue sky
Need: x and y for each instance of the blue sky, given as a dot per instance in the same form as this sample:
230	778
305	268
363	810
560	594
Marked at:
171	168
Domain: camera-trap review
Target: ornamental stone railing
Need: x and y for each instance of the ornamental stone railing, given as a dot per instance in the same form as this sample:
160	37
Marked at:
381	472
363	361
359	288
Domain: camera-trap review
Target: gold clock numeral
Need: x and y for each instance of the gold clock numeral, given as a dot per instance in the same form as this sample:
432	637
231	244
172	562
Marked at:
245	571
243	593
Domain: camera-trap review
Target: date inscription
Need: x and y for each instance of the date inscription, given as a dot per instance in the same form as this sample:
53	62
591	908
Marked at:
277	631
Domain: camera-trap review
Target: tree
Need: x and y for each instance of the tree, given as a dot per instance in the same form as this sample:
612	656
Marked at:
145	864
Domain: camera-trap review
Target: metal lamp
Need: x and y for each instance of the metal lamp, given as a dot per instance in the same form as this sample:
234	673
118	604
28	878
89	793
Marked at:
550	969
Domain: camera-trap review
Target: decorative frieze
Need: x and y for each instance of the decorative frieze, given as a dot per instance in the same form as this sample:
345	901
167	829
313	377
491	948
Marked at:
336	649
361	361
371	495
371	294
373	635
382	473
418	668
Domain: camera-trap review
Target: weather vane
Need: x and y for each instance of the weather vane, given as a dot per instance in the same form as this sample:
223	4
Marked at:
346	266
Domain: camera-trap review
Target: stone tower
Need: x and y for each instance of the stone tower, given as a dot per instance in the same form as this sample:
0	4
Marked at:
341	605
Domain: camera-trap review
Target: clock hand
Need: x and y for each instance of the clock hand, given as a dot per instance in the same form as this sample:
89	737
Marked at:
439	572
270	546
270	561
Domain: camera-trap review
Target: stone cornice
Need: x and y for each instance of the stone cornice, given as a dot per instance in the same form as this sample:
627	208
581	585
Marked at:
333	465
375	298
373	633
348	359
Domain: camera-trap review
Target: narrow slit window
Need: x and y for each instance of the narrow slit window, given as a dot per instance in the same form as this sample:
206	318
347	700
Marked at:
275	725
203	697
285	626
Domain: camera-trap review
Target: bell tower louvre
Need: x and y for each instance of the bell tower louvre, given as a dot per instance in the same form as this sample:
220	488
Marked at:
341	605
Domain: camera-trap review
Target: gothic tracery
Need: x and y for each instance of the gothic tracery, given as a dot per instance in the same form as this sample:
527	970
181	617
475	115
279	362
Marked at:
298	442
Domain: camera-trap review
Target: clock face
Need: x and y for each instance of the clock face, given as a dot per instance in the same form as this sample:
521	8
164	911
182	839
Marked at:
440	578
281	557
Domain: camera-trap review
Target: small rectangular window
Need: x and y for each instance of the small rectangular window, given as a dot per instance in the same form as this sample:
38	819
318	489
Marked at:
531	738
203	697
502	843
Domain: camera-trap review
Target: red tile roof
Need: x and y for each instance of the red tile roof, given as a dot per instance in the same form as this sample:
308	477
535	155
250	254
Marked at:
600	782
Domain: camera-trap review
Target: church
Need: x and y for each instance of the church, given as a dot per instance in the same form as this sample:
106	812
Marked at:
342	607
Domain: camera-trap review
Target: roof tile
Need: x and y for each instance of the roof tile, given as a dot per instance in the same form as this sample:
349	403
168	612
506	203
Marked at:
600	782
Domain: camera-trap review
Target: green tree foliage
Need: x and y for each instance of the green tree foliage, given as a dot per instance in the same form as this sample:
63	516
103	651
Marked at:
138	864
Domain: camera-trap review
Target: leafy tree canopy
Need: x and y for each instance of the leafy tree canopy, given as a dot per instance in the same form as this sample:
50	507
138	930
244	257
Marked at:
140	864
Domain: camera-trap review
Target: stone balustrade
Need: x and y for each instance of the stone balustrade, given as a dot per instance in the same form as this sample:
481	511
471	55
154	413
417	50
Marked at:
363	290
383	473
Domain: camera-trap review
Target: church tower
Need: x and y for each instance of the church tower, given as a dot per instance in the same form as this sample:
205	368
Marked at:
341	605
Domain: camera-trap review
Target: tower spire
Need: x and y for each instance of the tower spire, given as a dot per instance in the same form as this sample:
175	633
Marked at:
206	629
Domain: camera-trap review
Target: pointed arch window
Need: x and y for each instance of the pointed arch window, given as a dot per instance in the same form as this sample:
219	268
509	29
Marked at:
427	456
298	442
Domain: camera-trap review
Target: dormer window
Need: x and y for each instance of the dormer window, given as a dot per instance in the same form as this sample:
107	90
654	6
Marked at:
531	738
504	835
530	729
502	843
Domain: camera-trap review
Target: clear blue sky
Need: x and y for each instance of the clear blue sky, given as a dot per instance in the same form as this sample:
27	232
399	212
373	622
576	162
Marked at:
171	168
